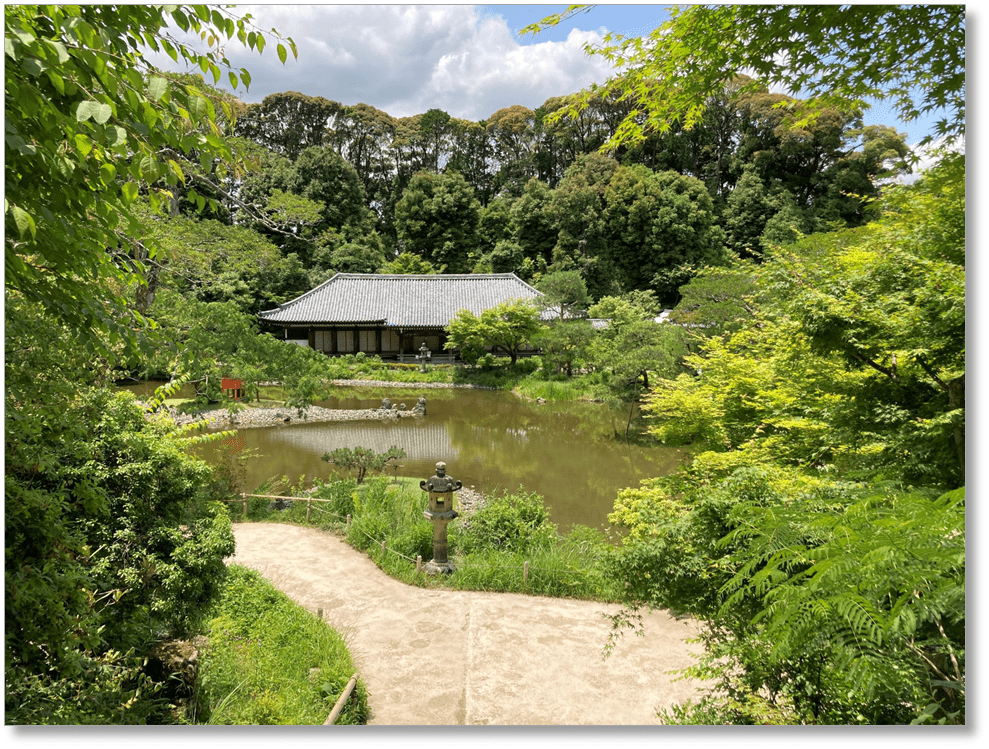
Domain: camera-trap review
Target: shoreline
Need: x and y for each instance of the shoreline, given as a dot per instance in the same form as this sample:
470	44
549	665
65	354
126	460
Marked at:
250	416
247	418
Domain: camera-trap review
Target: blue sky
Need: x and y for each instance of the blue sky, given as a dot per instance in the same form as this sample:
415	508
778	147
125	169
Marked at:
468	60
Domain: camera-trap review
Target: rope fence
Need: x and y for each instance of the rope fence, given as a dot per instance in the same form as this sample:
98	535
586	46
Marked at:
526	566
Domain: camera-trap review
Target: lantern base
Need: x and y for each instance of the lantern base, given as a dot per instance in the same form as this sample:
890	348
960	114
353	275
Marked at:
432	567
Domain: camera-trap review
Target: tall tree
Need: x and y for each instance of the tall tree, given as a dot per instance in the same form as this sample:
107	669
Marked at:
660	225
289	122
437	219
513	135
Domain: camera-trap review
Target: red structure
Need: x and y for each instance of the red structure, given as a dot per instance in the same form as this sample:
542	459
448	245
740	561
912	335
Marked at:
232	388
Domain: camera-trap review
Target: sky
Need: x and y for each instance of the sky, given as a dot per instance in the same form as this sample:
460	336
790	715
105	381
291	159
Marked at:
467	60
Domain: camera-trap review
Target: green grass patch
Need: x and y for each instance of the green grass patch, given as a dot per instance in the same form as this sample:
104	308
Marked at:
271	662
489	547
561	389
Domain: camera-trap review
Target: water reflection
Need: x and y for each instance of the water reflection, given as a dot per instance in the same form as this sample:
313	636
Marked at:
493	441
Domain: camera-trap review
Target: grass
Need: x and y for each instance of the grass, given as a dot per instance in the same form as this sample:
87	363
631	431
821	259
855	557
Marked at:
489	552
271	662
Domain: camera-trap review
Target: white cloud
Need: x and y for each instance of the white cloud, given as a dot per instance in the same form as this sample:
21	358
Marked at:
407	59
929	156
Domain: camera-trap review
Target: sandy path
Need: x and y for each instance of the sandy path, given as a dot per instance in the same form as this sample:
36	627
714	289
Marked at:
440	657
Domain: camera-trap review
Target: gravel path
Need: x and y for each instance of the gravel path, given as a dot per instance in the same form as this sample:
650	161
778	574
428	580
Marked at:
446	657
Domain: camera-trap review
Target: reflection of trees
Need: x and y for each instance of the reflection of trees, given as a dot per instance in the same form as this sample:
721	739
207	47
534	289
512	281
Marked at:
566	452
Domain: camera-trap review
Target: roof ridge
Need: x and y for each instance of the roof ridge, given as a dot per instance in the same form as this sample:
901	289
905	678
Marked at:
428	276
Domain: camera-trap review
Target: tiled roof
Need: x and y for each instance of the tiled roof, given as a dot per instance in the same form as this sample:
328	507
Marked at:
399	301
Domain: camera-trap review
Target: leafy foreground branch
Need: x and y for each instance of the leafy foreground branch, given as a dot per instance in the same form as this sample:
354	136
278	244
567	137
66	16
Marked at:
826	602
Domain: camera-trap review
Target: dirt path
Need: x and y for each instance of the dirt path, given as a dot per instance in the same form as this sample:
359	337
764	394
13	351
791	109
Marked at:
440	657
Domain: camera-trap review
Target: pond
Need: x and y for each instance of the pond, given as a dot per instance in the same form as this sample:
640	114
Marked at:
573	454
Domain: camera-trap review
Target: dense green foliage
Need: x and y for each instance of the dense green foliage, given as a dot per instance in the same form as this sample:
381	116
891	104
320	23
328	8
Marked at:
507	327
258	668
109	540
820	527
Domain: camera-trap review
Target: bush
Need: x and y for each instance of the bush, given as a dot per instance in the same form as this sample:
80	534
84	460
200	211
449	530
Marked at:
341	494
513	522
109	542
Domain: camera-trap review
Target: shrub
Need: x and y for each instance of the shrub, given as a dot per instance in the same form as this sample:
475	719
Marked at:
363	459
513	522
341	494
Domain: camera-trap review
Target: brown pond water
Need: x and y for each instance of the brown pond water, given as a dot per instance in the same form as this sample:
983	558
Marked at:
573	454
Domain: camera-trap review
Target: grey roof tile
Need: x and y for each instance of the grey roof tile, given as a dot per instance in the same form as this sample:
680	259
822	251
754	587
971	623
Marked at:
399	300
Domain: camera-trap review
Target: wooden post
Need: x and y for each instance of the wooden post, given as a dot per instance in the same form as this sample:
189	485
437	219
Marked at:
245	507
348	521
331	718
308	506
525	573
418	563
319	613
382	548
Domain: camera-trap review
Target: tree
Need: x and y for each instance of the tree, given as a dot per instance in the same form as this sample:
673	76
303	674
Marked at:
214	262
633	345
471	155
716	301
410	264
837	55
507	327
109	538
290	122
363	459
437	219
512	133
564	346
658	223
364	135
746	214
565	293
75	76
576	209
532	227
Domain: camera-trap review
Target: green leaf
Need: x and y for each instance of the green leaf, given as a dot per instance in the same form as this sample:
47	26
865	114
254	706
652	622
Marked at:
84	143
282	54
129	192
23	221
108	173
101	113
157	88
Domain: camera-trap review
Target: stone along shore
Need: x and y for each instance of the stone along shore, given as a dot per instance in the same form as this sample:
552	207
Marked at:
268	417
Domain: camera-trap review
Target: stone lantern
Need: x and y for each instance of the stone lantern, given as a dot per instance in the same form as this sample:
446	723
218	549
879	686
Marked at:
423	355
441	488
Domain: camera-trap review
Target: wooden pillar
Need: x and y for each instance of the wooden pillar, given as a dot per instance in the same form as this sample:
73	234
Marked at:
312	338
377	341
